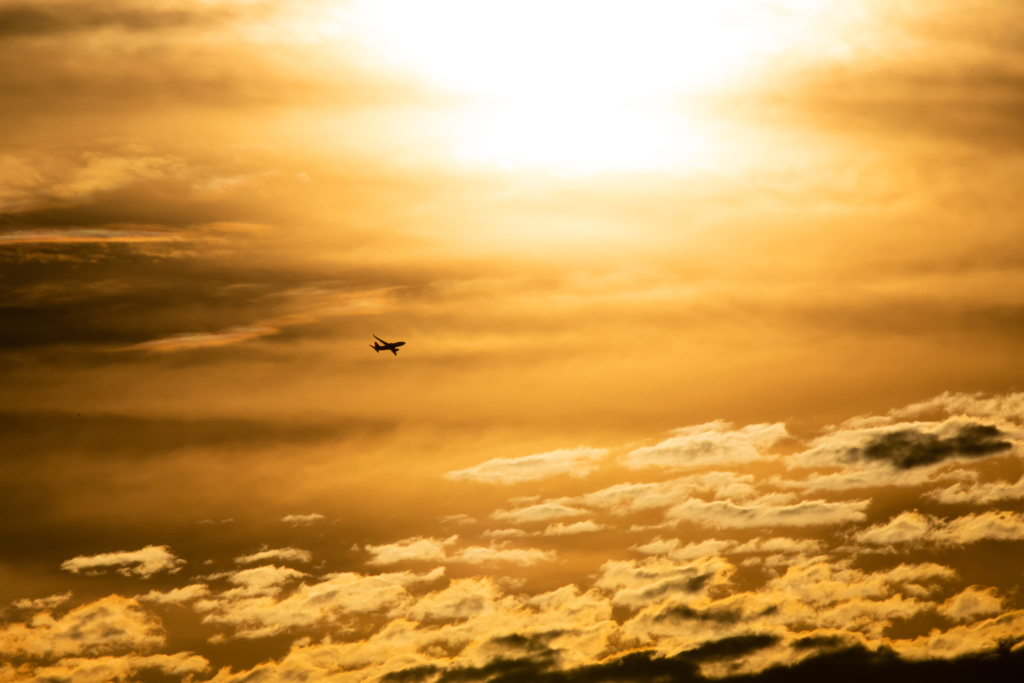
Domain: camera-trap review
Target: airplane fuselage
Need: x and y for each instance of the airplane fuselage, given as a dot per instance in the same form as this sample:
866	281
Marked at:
386	346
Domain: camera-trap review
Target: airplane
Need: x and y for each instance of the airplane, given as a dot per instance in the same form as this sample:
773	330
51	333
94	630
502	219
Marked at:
386	346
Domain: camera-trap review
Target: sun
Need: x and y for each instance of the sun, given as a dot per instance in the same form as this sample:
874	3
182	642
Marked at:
580	84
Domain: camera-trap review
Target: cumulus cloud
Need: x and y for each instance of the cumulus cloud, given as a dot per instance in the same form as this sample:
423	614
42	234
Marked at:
416	549
979	493
145	562
767	512
912	527
972	602
259	581
293	554
714	443
628	498
110	624
577	462
434	550
638	584
48	602
260	614
177	596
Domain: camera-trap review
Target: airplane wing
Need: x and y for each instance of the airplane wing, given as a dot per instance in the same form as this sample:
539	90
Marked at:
394	351
379	339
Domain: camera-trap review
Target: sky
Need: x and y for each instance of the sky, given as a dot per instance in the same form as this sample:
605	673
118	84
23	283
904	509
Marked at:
713	317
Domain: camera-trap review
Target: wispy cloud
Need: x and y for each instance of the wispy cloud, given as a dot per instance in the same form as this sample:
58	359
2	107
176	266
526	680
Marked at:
577	462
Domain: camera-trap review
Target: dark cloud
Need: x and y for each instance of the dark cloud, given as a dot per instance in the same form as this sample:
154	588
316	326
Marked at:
686	613
814	642
42	19
853	665
734	646
910	448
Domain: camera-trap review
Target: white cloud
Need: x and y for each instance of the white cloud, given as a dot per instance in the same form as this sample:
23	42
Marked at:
560	529
293	554
43	603
462	599
177	596
972	602
714	443
112	623
523	557
627	498
977	493
303	519
505	533
916	528
416	549
261	615
691	551
542	512
577	462
638	584
145	562
259	581
766	512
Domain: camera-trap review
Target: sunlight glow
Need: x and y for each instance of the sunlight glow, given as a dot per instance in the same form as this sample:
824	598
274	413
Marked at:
582	84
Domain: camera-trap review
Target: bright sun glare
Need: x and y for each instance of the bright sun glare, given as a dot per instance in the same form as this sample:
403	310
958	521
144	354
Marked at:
581	85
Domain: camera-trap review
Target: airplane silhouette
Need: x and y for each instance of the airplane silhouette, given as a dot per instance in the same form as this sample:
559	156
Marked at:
386	346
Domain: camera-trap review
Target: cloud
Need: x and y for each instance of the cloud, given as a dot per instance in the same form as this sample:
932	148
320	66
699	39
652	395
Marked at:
972	602
293	554
911	448
577	462
914	528
691	551
259	614
560	529
522	557
905	446
19	20
433	550
627	498
43	603
711	444
977	493
767	512
203	340
105	669
638	584
145	562
110	624
260	581
542	512
176	596
416	549
462	599
88	235
296	520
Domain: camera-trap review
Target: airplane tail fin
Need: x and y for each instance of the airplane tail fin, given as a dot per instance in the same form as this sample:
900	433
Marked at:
375	348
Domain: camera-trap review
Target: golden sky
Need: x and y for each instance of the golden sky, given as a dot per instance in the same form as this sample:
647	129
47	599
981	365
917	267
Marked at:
713	317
